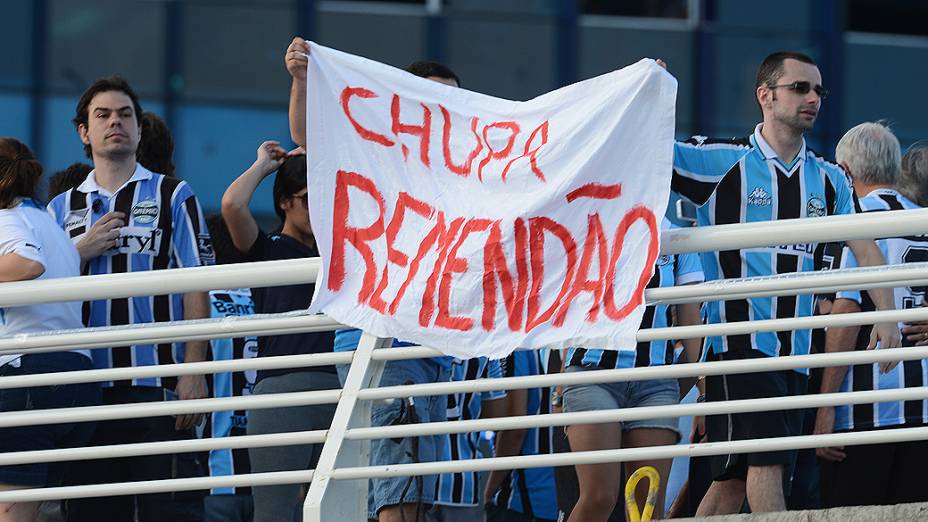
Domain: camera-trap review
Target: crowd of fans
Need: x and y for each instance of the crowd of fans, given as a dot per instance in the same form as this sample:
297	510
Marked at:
127	212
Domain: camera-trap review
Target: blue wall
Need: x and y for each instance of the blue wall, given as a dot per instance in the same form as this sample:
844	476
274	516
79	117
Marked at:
215	71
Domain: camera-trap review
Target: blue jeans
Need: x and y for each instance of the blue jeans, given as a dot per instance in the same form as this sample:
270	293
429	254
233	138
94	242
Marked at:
405	490
49	436
632	394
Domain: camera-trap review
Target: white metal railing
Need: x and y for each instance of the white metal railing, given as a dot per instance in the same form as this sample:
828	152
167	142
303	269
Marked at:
345	444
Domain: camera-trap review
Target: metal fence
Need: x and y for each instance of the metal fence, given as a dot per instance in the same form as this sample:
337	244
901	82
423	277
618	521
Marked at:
338	485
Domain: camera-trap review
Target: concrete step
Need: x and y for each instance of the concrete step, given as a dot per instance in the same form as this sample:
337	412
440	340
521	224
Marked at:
897	513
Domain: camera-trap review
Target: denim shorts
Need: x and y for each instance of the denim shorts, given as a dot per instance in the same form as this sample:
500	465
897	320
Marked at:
49	436
390	491
622	395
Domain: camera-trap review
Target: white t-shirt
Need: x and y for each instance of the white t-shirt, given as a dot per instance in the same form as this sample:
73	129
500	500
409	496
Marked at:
29	231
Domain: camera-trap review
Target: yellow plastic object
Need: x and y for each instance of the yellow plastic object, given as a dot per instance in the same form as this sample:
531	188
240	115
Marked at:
654	484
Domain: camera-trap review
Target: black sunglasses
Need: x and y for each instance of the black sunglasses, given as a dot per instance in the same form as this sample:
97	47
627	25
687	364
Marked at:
803	88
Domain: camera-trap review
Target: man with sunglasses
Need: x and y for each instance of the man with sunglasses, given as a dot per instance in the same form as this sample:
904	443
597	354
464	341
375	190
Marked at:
766	176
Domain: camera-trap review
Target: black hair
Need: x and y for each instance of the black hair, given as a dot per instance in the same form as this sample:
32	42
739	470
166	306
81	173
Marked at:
771	69
67	179
226	253
110	83
19	172
290	179
424	69
156	146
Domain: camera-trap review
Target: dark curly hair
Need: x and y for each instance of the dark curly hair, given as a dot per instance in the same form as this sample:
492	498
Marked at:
156	147
290	179
65	180
19	172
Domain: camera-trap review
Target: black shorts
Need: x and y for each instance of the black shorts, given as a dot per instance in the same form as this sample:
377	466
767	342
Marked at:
876	474
755	425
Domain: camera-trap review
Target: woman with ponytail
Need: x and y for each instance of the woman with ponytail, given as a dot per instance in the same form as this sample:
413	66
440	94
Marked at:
32	246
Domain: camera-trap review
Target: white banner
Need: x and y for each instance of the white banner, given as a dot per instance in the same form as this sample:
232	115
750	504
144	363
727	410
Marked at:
476	225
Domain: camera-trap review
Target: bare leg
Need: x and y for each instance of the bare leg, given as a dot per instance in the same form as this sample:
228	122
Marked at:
723	498
17	511
599	483
765	489
642	437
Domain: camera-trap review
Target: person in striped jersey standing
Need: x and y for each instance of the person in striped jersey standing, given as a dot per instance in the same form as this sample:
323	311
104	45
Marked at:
458	497
767	176
524	495
229	504
600	484
889	473
124	218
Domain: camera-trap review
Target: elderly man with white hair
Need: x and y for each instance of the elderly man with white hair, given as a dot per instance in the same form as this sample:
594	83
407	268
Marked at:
878	473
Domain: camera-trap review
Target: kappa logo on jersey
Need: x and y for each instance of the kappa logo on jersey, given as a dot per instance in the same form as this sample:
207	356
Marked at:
815	207
145	212
205	246
77	219
759	197
138	240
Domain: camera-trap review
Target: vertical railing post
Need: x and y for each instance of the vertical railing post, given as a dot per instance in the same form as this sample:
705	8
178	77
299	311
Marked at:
346	501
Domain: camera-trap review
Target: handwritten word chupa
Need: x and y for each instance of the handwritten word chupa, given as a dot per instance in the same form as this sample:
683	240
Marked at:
512	142
518	277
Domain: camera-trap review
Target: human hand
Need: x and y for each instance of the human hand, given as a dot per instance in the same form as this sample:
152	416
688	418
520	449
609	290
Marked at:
699	428
887	336
662	63
297	58
916	332
270	157
825	424
189	387
102	236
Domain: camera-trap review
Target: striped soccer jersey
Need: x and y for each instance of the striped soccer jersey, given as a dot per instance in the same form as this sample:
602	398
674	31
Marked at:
744	181
668	271
908	374
461	489
164	229
532	491
222	462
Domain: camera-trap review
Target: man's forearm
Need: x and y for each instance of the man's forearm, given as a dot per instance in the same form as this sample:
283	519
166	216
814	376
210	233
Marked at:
868	254
196	306
297	112
839	339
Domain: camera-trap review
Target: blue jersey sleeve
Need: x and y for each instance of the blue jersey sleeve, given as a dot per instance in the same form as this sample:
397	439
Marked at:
192	244
493	370
688	269
699	164
56	208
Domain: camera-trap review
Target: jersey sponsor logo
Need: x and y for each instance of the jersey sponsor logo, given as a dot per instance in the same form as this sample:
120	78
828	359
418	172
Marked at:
76	219
145	212
806	249
227	307
664	260
815	207
205	247
759	197
138	240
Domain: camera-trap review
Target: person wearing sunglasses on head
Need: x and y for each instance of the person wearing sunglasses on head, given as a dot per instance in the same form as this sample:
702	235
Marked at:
769	175
293	240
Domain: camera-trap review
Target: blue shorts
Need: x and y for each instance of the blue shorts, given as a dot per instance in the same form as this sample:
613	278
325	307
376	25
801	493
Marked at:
622	395
389	491
49	436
